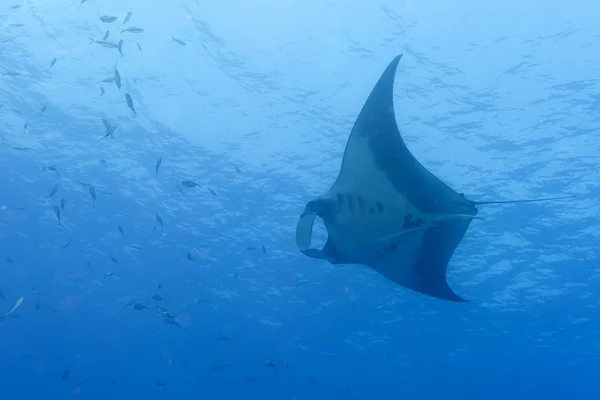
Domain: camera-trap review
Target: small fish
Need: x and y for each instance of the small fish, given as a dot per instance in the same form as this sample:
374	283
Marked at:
239	171
188	183
101	91
12	73
139	46
14	6
159	286
171	321
130	103
224	339
107	19
102	43
43	110
300	283
158	163
120	47
57	213
108	274
23	149
17	25
190	256
162	312
158	219
160	385
136	247
114	260
117	77
140	307
93	194
62	204
82	1
158	297
129	304
127	17
106	35
180	190
133	29
212	192
219	366
122	231
108	80
65	374
180	42
52	191
271	364
12	309
264	249
89	264
64	246
110	129
52	63
9	260
25	128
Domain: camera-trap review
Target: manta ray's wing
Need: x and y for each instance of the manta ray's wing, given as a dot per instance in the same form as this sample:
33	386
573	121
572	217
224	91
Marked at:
385	209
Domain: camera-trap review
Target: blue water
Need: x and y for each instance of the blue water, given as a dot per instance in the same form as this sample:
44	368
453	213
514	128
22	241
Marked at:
499	99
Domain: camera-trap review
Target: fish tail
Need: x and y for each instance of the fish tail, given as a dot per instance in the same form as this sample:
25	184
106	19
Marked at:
92	40
523	201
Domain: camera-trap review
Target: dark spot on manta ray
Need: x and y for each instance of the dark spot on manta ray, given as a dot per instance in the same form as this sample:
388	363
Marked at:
409	223
391	245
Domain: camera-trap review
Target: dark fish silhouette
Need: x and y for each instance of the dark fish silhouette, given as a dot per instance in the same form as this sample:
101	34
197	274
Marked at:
117	77
180	42
65	374
129	101
127	17
107	19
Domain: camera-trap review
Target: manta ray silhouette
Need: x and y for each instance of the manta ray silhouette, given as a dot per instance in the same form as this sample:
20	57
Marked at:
386	210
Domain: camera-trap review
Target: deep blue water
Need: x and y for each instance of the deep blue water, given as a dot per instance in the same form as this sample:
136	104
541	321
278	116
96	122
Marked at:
498	99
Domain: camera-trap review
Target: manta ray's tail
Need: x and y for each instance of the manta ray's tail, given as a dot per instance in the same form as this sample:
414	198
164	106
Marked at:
480	203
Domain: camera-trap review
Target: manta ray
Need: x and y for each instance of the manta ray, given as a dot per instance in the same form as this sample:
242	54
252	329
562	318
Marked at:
387	211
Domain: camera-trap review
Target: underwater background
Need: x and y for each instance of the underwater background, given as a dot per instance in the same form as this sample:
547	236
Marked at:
147	220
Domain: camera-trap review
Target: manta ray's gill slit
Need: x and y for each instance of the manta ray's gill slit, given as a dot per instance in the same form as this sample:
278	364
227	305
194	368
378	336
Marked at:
361	204
340	198
351	204
357	204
